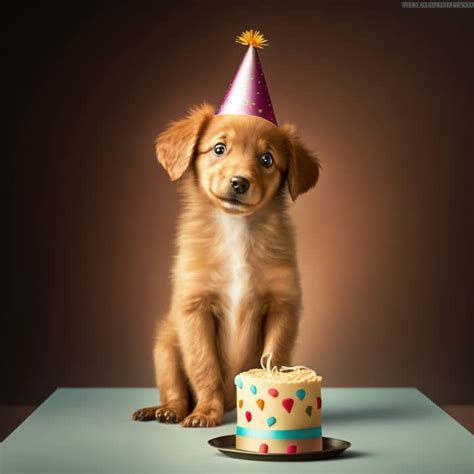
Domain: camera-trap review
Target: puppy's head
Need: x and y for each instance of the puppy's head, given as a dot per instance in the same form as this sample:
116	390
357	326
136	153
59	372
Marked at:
240	162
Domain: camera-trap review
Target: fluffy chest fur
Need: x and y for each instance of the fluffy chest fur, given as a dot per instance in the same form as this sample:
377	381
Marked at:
234	250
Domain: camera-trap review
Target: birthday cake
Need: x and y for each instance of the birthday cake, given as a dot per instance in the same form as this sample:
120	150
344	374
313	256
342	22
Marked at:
278	410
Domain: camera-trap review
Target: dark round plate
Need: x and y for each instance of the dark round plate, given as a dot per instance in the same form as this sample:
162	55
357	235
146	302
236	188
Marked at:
331	448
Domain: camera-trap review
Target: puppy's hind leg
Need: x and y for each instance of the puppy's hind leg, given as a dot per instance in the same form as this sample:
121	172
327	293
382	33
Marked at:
170	379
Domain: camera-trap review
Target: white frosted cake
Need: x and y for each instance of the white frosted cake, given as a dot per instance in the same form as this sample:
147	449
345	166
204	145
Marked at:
279	411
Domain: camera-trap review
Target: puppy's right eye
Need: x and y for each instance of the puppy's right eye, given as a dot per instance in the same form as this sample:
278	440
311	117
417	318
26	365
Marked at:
219	149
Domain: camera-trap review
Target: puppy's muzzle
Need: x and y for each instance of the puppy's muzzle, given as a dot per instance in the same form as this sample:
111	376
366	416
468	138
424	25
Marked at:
239	184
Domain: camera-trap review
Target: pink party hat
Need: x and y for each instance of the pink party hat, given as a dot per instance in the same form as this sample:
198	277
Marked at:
247	94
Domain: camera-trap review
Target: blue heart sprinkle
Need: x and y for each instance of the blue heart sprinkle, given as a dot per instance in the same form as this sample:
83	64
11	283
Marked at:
271	421
253	389
238	382
300	393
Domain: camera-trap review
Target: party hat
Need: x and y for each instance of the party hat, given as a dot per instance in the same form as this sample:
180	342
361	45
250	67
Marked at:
248	94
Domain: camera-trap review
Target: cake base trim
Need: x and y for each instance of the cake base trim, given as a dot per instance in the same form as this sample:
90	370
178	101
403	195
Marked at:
305	433
279	446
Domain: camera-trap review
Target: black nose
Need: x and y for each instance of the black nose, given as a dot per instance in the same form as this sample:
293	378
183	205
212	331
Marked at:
239	184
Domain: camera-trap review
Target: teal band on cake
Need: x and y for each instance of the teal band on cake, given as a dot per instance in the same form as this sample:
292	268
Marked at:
315	432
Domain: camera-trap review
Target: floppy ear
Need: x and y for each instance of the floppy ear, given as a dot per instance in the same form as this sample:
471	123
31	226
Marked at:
303	166
176	146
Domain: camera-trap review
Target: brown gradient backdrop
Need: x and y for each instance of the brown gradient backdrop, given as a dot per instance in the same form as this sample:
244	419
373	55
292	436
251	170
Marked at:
382	94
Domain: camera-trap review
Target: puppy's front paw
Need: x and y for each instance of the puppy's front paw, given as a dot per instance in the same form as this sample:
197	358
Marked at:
145	414
199	419
169	414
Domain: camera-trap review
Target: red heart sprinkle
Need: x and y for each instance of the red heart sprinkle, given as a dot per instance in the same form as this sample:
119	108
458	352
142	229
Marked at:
319	403
263	448
287	404
248	415
291	449
273	392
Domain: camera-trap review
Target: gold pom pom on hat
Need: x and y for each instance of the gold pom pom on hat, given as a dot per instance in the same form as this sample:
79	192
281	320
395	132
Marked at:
252	38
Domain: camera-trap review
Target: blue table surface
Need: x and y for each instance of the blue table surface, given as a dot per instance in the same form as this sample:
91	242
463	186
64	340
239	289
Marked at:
90	430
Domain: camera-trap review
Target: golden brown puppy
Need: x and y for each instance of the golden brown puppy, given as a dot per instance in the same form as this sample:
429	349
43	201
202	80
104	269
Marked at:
236	291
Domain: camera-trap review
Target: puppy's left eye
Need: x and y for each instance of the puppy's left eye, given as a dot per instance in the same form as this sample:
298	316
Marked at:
219	149
266	160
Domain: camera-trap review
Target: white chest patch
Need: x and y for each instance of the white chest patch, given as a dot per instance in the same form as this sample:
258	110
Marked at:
235	240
